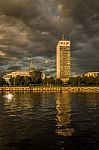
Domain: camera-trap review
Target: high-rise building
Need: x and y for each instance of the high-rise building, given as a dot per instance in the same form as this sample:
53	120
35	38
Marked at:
63	60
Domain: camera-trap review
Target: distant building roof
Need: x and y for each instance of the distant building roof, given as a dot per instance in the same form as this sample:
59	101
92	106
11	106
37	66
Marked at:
91	74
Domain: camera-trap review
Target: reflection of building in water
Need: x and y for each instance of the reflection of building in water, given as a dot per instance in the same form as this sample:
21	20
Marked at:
63	107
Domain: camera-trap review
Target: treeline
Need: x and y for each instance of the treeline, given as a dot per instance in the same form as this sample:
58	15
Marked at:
83	81
3	82
29	81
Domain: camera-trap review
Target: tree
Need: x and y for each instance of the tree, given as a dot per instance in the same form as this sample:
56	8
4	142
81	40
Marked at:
71	81
58	81
33	80
12	81
2	82
51	80
75	81
97	81
38	81
27	80
45	81
86	81
18	80
78	80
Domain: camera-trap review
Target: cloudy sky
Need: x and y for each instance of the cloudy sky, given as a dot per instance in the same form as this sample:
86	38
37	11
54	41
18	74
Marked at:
32	28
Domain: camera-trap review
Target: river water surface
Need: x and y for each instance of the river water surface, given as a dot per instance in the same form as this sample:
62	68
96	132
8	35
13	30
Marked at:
49	121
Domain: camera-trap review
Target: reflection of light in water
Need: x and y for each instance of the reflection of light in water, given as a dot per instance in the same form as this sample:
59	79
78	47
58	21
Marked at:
8	96
65	132
18	102
63	107
92	101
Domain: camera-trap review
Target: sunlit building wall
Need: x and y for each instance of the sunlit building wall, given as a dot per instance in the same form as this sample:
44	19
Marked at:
17	73
92	74
63	60
28	73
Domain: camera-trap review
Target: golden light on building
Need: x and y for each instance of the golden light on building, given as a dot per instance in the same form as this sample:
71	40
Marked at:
63	60
92	74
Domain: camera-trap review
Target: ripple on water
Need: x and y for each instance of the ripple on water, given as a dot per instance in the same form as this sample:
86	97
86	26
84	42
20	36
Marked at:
49	121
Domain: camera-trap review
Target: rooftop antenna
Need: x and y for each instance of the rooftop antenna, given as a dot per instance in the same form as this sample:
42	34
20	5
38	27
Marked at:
31	64
63	37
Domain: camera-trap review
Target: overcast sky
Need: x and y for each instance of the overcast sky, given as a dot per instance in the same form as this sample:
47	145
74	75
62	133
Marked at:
32	28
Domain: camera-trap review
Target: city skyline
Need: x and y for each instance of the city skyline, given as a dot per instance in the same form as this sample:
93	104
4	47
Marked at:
33	29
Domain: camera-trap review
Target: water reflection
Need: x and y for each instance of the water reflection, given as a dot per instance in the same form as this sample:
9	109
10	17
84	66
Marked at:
47	121
63	107
9	96
92	100
23	103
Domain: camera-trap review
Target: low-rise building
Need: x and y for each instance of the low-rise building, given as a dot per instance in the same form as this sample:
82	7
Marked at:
92	74
30	72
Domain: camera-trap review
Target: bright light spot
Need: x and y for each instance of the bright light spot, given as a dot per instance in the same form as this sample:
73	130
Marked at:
60	7
9	96
2	53
46	61
45	33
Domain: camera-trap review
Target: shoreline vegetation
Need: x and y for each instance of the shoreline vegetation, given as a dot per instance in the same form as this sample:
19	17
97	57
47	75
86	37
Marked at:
50	84
58	89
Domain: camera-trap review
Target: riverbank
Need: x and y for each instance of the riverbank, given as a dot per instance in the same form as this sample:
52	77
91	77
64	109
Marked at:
49	89
31	89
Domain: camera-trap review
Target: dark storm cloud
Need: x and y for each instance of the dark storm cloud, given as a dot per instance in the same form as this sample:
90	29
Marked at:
24	29
84	34
22	9
30	28
13	68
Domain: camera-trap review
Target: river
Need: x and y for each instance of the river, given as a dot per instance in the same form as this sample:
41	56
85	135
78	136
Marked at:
49	121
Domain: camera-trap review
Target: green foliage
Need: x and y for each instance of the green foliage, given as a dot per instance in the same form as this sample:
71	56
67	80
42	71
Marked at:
45	81
37	80
12	81
2	82
51	80
18	80
83	81
25	80
58	81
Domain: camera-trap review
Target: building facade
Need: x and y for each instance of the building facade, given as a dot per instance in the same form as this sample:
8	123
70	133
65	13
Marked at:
31	72
92	74
63	60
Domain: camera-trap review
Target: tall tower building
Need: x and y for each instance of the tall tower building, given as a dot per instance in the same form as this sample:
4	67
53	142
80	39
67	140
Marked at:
63	60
